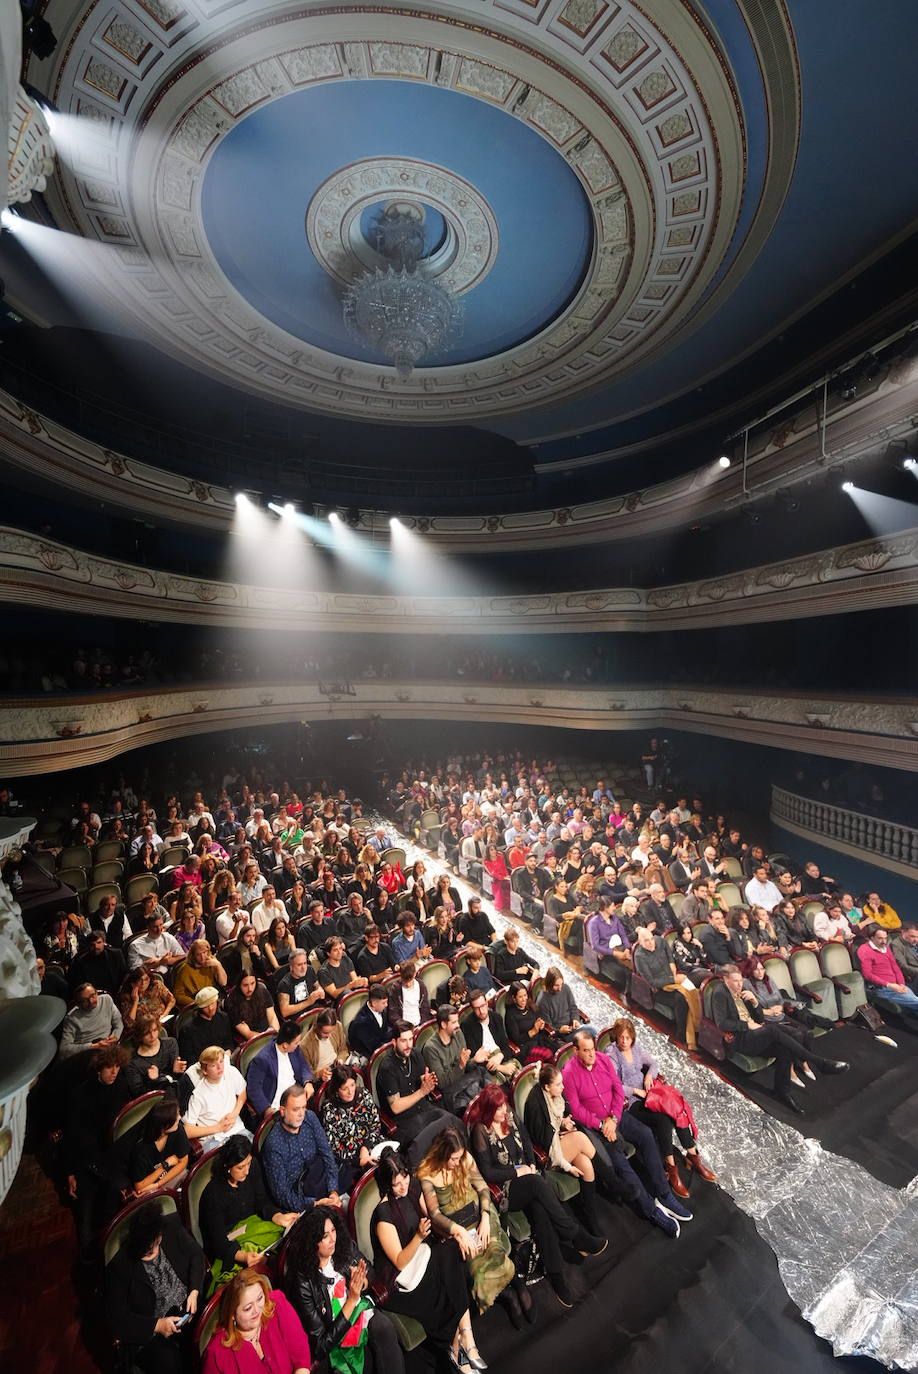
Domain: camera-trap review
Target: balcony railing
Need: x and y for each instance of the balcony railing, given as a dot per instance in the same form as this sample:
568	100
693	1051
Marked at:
886	840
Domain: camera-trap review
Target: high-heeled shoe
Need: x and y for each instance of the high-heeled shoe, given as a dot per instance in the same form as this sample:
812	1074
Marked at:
469	1353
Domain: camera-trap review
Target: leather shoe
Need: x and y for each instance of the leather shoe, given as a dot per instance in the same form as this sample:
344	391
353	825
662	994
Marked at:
835	1066
675	1182
787	1101
695	1163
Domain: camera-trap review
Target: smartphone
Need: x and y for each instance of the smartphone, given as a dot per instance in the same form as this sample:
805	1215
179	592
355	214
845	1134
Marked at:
182	1320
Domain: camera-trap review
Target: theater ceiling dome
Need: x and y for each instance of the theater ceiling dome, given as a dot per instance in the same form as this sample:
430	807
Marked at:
594	178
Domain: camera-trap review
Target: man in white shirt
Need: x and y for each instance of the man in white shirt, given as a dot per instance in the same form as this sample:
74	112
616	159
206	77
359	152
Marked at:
156	950
252	825
641	852
147	836
761	891
265	911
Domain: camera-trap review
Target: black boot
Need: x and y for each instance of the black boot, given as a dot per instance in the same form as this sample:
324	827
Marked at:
514	1311
587	1202
524	1298
562	1292
588	1244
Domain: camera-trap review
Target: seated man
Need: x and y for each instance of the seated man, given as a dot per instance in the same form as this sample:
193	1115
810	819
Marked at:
737	1012
299	988
882	974
403	1086
656	913
698	905
338	975
510	963
91	1108
91	1024
314	931
375	961
296	1158
275	1068
111	919
761	891
597	1102
653	962
156	949
715	940
408	1000
904	946
370	1027
351	923
208	1026
474	925
448	1057
409	942
486	1039
99	965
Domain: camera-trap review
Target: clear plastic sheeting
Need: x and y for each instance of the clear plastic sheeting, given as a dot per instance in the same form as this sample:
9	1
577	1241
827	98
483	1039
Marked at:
846	1244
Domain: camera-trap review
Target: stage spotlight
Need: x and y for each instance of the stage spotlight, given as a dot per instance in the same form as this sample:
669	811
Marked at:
289	510
847	486
242	499
334	518
723	461
394	522
911	464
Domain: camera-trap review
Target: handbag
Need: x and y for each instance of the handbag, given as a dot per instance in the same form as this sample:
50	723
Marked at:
414	1271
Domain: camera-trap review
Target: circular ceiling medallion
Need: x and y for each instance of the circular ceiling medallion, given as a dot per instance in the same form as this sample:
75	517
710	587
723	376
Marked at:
335	233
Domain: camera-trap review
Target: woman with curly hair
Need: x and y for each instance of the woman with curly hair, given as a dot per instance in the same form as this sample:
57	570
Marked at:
351	1121
326	1280
143	994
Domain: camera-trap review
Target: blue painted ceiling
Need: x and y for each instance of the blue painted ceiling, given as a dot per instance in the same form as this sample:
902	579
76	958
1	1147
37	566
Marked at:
263	174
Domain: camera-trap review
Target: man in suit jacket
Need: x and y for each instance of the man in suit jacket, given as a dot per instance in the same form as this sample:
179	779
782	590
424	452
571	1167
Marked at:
656	908
486	1038
370	1027
685	873
275	1068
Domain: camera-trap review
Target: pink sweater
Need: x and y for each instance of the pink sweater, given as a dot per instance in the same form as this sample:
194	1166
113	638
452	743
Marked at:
283	1341
878	965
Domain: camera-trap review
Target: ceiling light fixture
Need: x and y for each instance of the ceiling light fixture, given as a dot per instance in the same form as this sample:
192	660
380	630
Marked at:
400	311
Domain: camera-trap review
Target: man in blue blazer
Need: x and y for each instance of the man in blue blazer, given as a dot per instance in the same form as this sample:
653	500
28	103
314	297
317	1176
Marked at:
275	1068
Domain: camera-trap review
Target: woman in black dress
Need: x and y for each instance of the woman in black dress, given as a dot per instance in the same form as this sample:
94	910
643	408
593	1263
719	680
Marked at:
439	1298
235	1194
526	1028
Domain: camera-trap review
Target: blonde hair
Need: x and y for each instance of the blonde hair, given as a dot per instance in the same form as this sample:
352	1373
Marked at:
232	1294
210	1055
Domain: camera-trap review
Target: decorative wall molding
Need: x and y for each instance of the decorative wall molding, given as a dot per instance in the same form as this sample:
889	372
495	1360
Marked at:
887	844
787	453
30	151
59	733
638	100
870	574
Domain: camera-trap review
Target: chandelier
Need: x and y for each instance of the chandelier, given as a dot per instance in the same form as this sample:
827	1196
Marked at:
400	311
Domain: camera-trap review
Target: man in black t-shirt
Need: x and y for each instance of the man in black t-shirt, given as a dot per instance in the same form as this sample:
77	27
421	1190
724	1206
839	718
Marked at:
375	961
208	1026
314	931
403	1086
299	989
474	926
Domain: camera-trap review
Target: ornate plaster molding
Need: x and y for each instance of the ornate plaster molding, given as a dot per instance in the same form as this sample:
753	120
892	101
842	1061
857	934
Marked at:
866	575
791	451
30	150
60	733
637	99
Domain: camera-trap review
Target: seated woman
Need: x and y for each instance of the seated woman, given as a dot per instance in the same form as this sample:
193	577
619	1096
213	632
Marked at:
444	894
188	927
764	935
687	953
791	927
510	963
235	1204
530	1032
351	1121
504	1155
558	1008
326	1281
390	877
155	1062
217	1098
153	1280
160	1157
638	1070
547	1118
201	969
426	1282
278	944
250	1008
441	936
324	1044
740	935
789	1014
458	1203
419	901
297	902
143	994
146	860
258	1330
